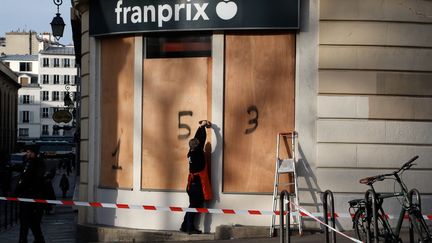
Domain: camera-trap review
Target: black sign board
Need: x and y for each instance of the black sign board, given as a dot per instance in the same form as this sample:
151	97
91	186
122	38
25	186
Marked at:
131	16
62	116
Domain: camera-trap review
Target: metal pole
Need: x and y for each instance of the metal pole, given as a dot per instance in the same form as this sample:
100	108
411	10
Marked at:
6	215
284	194
371	193
410	196
326	195
1	214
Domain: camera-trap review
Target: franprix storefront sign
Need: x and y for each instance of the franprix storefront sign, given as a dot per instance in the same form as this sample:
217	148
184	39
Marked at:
130	16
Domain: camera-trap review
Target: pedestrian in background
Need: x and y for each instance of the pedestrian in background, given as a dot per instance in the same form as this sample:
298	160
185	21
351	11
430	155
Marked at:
31	185
64	185
49	190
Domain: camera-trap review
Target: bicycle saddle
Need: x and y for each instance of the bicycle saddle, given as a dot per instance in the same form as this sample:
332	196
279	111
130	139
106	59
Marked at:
372	179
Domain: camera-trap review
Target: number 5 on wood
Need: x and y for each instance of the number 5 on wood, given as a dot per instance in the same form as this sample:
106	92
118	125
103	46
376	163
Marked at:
185	126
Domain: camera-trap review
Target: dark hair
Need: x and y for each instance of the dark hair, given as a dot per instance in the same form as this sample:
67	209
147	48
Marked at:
32	147
193	143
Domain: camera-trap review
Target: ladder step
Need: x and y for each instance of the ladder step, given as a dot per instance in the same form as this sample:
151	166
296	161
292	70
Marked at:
286	165
285	184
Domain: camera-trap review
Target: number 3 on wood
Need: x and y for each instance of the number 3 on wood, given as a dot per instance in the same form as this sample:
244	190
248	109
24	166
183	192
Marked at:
253	121
185	126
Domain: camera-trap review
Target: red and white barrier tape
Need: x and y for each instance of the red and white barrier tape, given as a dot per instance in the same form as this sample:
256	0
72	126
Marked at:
179	209
316	216
302	210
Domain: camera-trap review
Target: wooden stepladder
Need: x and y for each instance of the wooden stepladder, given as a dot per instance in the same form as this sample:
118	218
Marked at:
286	177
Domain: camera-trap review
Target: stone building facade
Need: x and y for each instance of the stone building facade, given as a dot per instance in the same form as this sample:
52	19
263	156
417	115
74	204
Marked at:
8	109
361	95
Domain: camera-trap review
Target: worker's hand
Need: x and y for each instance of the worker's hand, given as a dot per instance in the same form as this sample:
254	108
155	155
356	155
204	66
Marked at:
205	123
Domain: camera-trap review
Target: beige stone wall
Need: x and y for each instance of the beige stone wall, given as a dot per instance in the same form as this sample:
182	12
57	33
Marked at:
18	43
375	91
82	9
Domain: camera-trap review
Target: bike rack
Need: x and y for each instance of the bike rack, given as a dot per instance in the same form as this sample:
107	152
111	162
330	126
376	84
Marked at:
326	195
417	193
371	193
8	214
410	197
284	194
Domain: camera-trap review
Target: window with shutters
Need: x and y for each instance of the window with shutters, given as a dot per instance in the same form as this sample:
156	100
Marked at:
45	112
45	79
26	99
45	131
56	79
25	66
55	96
34	80
25	116
66	62
45	62
45	95
66	79
23	132
56	62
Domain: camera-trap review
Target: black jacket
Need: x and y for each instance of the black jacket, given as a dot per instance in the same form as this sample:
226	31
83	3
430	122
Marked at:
197	157
31	182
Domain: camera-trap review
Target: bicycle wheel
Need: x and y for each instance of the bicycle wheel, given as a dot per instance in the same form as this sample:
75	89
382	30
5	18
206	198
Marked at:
360	224
421	230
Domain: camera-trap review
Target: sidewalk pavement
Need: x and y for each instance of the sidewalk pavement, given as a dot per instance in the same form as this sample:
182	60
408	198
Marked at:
58	227
61	227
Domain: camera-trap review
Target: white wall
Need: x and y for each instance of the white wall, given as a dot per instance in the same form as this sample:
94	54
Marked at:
34	92
33	108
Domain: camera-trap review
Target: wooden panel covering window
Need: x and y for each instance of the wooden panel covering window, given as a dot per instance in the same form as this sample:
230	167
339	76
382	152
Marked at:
259	103
175	97
117	109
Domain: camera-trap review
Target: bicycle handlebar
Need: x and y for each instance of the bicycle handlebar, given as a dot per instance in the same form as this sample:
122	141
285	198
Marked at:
373	179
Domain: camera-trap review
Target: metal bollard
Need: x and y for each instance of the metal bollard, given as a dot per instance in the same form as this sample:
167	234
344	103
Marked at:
284	194
410	197
326	195
372	193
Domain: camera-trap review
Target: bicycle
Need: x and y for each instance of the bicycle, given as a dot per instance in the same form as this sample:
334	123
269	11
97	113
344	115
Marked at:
363	222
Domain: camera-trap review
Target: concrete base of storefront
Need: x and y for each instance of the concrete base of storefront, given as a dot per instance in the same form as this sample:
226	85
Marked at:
104	233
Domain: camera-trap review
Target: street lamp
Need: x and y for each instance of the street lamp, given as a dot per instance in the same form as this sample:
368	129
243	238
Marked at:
68	103
57	24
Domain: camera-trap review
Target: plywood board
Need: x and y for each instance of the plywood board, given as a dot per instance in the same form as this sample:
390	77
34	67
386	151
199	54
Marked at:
175	99
259	103
117	112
